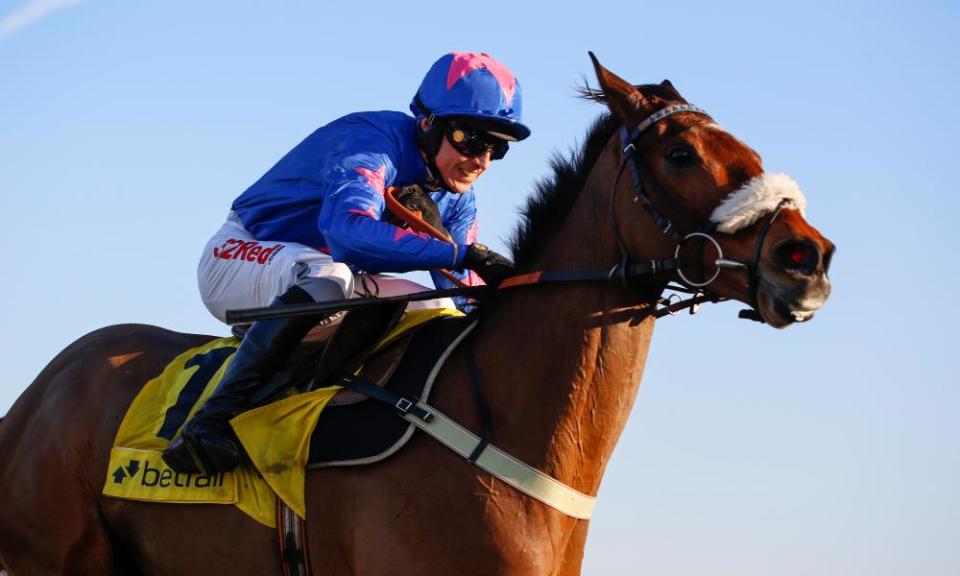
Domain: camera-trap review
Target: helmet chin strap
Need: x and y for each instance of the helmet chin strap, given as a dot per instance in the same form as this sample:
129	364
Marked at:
429	140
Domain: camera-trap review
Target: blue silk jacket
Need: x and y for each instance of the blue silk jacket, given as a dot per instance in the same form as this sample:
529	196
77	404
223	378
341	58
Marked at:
328	193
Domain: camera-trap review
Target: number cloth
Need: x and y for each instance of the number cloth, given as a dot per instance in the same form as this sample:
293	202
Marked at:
276	436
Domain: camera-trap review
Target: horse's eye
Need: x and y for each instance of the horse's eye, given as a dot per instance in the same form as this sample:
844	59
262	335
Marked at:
682	155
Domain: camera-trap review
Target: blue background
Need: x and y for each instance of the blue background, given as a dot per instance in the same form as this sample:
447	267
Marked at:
126	129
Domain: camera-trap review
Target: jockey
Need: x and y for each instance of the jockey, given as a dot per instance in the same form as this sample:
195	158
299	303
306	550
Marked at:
316	219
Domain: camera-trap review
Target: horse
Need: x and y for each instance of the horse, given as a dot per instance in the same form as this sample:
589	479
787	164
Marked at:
657	193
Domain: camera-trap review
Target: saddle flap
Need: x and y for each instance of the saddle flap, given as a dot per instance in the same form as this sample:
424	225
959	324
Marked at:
359	334
378	369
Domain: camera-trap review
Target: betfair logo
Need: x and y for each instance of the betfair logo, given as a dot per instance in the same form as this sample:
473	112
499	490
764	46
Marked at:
122	473
164	477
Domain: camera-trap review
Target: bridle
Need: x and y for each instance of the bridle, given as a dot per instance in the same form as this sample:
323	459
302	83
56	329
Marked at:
630	268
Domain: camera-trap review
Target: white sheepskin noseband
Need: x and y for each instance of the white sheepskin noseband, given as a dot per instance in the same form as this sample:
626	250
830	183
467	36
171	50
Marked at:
761	195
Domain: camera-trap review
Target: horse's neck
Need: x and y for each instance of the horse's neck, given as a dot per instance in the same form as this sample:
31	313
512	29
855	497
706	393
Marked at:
561	381
562	363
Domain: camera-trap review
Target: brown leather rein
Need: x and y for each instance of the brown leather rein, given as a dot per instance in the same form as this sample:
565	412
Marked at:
627	272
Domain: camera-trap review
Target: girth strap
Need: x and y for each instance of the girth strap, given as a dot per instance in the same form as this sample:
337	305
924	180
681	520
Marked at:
292	536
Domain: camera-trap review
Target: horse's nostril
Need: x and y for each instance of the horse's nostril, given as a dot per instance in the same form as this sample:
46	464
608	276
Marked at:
801	256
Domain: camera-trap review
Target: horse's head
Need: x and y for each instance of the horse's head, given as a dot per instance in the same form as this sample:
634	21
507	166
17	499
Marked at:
739	232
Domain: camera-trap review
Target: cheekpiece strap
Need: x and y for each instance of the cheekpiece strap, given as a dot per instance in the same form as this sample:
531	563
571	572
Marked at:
660	220
660	115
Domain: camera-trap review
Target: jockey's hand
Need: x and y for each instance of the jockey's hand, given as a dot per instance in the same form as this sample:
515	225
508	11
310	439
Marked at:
492	267
415	199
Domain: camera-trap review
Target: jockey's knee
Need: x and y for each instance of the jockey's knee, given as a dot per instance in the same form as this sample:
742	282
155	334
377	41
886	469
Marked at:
327	288
392	286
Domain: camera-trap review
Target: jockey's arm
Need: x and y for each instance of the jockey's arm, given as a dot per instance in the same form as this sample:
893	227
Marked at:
460	219
350	222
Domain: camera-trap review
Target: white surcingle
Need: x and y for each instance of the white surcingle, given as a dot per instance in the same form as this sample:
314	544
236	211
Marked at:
761	195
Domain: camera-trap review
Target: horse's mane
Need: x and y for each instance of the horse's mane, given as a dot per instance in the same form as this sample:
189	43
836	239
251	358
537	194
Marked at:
553	197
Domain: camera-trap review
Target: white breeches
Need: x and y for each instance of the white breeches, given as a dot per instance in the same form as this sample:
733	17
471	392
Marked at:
237	271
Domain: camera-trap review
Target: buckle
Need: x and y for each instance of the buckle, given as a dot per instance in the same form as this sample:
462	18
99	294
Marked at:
410	407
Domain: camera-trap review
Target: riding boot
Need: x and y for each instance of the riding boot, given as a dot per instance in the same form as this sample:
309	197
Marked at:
207	443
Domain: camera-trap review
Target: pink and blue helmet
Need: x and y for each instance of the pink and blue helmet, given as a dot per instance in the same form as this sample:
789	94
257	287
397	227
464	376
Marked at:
475	86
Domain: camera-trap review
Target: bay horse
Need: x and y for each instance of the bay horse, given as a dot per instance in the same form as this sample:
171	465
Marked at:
560	364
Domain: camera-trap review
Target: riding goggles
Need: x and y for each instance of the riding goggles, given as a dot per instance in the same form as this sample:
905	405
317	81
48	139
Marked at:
473	143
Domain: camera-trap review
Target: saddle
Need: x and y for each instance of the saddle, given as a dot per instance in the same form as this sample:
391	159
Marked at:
345	347
353	428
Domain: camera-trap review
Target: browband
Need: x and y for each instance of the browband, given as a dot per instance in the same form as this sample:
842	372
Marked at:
660	115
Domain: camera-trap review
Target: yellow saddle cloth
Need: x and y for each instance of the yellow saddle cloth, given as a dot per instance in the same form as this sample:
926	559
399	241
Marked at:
275	436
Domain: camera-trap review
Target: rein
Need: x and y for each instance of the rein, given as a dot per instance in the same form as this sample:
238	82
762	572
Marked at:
626	272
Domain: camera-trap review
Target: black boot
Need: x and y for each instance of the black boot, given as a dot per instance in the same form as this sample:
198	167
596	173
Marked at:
206	443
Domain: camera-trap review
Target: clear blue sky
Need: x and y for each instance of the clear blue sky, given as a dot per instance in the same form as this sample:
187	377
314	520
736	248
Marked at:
831	448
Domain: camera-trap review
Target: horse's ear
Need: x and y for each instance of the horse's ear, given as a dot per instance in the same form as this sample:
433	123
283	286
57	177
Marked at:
669	86
622	98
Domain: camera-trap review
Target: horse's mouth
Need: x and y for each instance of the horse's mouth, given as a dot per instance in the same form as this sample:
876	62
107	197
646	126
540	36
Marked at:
781	308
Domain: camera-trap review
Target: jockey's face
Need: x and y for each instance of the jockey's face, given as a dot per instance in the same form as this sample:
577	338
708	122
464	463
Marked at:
459	172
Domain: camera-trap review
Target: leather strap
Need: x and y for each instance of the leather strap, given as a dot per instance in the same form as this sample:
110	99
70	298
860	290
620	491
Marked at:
292	535
523	477
486	416
368	388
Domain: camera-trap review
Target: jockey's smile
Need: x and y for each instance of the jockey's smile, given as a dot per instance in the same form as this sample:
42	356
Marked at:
460	172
